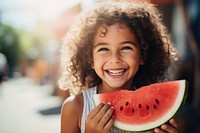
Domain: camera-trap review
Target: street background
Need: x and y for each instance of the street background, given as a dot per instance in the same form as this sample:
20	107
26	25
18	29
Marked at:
28	108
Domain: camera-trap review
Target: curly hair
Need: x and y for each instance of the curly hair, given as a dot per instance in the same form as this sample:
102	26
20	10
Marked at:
143	19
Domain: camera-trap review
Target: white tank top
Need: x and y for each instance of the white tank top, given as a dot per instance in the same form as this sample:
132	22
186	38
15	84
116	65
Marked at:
89	105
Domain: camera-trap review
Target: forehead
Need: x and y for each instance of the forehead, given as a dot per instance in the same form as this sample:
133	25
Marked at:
113	33
116	26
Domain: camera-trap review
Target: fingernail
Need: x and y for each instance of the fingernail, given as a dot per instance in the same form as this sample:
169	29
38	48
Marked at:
112	108
156	130
164	127
109	103
172	121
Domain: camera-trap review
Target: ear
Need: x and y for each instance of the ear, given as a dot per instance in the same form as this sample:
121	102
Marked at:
142	61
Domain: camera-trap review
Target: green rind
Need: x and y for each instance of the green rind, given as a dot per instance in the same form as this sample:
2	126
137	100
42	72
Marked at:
184	99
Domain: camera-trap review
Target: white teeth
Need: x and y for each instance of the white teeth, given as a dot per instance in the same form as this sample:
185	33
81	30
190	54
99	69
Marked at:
115	72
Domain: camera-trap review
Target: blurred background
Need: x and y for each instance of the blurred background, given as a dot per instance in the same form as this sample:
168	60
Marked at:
31	32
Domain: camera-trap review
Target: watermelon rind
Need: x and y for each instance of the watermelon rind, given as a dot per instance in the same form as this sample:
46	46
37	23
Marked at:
180	100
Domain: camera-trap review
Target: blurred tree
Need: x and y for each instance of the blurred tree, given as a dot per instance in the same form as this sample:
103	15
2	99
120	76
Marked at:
9	45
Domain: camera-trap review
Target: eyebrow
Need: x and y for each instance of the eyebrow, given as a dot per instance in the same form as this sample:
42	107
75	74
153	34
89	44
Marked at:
130	42
100	44
104	44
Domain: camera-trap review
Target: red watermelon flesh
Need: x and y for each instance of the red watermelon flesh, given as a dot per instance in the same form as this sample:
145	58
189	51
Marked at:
147	107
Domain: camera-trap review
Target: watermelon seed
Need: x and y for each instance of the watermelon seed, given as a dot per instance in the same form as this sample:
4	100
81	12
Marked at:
154	106
140	106
121	108
127	103
147	107
157	101
133	110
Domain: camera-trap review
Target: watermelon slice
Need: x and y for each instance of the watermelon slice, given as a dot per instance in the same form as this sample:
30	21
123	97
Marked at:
147	107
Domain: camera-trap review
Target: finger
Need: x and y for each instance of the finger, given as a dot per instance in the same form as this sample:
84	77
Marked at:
168	128
93	113
173	123
107	116
102	112
158	130
109	124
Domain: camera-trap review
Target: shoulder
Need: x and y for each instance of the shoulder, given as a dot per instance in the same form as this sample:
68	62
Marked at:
73	104
73	100
71	113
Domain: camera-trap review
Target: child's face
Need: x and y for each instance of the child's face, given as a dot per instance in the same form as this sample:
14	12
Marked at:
116	56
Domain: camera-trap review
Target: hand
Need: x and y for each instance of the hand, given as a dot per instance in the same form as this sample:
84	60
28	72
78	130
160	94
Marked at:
172	127
100	119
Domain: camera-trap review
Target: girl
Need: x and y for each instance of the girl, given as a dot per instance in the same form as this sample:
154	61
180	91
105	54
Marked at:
118	45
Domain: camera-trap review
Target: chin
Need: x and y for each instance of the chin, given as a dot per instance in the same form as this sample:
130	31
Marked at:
114	87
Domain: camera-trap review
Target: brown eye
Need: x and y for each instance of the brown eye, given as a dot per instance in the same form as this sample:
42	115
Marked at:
103	49
126	48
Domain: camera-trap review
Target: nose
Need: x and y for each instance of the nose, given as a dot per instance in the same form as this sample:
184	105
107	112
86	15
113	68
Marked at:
115	58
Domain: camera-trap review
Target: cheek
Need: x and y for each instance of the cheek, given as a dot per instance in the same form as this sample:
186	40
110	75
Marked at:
133	57
98	64
96	61
98	68
133	61
134	66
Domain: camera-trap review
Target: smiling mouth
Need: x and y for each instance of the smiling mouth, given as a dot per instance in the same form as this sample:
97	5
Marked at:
115	72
